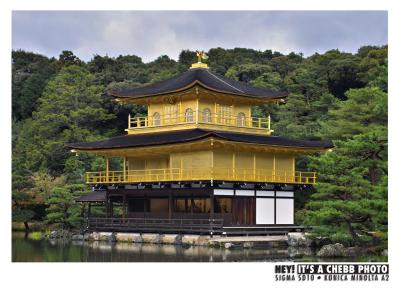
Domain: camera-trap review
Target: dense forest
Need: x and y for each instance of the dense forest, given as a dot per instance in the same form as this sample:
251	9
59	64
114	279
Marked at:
335	95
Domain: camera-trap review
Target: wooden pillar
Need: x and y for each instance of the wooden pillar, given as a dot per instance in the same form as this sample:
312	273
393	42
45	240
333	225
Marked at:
293	169
107	169
212	161
249	121
89	211
215	111
191	205
180	110
233	165
274	206
233	116
107	204
197	109
181	168
197	105
254	166
211	204
234	199
269	122
170	204
124	206
124	169
273	169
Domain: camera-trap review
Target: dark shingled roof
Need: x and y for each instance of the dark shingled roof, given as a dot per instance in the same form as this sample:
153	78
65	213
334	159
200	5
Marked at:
94	196
200	76
173	137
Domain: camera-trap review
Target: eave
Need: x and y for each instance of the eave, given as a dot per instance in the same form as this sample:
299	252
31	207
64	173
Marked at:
141	98
206	143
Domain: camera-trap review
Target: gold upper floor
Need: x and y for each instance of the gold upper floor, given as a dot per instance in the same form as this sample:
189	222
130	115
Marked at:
198	108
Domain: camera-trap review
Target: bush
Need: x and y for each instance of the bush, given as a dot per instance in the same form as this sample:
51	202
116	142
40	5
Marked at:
35	236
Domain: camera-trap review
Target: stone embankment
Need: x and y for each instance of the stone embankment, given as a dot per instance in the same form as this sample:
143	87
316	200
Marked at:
193	240
297	244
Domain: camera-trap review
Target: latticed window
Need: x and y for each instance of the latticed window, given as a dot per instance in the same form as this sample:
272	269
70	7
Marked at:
189	115
156	119
171	113
224	114
206	116
241	119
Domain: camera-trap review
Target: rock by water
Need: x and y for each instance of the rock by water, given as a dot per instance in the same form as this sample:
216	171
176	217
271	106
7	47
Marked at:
298	240
332	250
228	245
128	237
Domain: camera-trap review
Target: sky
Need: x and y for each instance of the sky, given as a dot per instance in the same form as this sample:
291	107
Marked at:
149	34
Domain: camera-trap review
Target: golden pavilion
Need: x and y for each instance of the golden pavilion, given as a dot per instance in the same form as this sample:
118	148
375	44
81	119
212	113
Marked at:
199	162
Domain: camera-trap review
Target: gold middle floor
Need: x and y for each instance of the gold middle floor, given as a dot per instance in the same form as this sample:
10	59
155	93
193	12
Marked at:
191	164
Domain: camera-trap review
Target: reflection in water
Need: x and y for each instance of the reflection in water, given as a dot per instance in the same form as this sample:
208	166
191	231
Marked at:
26	250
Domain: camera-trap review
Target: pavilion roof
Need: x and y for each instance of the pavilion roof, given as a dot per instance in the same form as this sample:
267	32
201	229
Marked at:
94	196
200	76
183	136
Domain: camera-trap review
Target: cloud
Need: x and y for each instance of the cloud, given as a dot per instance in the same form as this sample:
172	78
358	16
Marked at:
150	34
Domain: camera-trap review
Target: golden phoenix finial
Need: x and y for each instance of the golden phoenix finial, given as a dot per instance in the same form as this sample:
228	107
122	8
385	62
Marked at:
201	55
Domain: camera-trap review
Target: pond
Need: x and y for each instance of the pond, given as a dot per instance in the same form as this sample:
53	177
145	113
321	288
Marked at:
25	249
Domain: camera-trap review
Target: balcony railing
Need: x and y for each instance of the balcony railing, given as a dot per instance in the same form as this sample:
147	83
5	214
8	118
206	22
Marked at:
199	117
157	225
191	174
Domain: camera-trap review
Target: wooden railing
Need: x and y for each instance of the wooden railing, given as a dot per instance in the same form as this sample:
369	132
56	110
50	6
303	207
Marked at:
199	117
191	174
210	226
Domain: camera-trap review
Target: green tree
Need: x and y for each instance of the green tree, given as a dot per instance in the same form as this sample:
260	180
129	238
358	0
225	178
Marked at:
350	202
70	110
187	57
339	70
247	72
374	67
30	74
107	69
67	58
364	111
268	80
62	208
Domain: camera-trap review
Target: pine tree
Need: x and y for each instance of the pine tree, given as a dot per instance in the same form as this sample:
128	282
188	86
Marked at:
70	110
62	208
365	110
350	202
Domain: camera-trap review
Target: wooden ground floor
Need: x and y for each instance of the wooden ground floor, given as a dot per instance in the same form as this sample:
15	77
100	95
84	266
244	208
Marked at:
230	207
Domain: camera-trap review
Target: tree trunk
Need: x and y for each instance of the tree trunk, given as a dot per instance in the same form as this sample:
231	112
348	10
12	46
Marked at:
373	176
26	226
352	232
65	218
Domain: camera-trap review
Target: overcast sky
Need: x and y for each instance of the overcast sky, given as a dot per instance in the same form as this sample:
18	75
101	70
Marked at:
150	34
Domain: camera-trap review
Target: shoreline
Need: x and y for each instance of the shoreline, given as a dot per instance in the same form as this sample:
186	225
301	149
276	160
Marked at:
296	242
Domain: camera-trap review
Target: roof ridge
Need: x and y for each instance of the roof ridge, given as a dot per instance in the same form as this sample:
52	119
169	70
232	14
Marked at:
221	80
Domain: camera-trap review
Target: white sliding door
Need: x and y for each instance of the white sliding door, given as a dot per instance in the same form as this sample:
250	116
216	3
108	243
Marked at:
265	211
284	211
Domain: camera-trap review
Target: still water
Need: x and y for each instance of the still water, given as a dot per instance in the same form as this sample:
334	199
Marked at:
28	250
